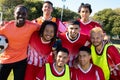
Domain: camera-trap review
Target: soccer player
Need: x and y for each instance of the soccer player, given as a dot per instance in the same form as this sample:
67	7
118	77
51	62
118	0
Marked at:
18	33
86	24
86	70
73	40
47	9
40	47
58	70
105	55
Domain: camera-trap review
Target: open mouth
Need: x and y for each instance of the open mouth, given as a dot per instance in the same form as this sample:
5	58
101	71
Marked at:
1	47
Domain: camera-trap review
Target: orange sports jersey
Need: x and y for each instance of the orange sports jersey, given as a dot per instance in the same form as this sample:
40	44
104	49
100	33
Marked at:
18	39
40	20
61	26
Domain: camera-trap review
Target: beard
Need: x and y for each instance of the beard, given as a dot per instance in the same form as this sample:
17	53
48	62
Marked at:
98	44
60	66
20	24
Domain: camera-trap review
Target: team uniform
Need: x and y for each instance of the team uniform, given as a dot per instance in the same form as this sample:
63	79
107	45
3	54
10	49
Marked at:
93	73
16	53
110	58
38	53
61	26
73	46
49	72
86	27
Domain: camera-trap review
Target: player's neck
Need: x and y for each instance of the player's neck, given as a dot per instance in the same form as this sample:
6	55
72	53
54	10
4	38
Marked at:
46	17
72	38
85	67
85	20
44	41
59	68
100	47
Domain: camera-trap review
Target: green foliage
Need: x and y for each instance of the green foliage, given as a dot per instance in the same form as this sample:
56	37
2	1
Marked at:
110	20
7	7
66	17
34	9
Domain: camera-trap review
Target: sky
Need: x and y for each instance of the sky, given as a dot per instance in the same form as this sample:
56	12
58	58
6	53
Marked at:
96	5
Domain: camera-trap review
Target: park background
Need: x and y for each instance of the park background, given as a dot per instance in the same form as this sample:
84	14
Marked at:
106	12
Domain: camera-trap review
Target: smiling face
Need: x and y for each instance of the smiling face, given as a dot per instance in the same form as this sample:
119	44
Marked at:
84	58
48	33
47	9
73	31
96	39
20	15
61	59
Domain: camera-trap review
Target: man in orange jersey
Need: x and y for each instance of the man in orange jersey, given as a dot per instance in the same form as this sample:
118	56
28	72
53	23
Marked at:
18	32
47	11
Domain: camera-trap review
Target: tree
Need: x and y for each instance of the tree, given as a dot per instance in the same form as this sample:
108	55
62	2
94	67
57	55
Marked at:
116	26
107	17
7	7
34	9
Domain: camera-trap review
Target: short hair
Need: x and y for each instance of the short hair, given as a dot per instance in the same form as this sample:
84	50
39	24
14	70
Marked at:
74	22
85	6
85	48
62	49
44	24
48	3
22	6
96	30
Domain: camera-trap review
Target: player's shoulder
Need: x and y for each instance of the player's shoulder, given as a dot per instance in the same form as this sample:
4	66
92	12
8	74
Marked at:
95	22
32	23
62	34
96	67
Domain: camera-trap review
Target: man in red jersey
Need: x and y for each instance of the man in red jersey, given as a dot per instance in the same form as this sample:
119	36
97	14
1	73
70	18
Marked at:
105	55
58	70
18	33
47	9
85	23
73	40
86	70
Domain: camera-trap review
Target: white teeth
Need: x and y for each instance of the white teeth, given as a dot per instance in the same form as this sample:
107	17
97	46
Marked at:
21	19
48	36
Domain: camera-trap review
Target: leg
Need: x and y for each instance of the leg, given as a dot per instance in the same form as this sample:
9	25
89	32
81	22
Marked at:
19	70
5	70
31	72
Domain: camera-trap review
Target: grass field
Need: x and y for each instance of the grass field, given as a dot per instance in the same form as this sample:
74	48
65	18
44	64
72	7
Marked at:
11	74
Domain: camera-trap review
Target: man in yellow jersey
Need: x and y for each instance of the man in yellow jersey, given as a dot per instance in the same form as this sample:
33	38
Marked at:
57	70
105	55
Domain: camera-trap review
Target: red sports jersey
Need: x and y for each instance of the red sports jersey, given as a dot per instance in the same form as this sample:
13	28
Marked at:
93	73
73	46
86	27
113	60
39	50
41	75
38	53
